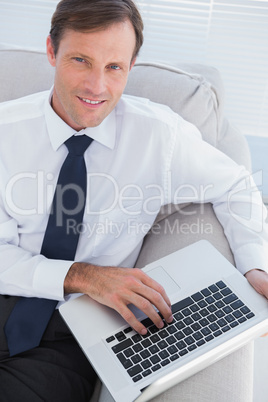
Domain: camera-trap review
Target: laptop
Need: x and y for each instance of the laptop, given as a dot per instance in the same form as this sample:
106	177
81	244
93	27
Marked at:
215	310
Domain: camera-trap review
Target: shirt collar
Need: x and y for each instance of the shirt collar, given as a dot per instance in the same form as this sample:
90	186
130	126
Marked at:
59	131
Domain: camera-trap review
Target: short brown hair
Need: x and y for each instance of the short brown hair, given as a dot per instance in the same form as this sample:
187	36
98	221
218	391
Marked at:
94	15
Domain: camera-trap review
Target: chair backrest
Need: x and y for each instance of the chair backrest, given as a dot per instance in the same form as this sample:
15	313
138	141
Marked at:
194	91
186	91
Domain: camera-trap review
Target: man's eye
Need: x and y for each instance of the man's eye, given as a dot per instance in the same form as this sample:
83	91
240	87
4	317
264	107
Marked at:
79	59
114	67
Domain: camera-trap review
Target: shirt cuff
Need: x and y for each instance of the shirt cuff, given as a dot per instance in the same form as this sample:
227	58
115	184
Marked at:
251	256
49	278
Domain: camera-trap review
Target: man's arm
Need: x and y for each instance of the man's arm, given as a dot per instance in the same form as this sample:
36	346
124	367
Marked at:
117	287
211	176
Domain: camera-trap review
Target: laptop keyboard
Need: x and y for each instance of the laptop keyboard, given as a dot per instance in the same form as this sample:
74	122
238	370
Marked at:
198	319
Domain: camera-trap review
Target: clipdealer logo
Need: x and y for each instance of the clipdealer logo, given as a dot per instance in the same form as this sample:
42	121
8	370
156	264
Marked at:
31	193
149	197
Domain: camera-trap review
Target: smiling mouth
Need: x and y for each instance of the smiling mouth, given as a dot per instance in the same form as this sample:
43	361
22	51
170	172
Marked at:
91	102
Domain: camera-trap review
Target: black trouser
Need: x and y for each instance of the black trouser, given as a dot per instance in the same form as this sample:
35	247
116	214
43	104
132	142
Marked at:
55	371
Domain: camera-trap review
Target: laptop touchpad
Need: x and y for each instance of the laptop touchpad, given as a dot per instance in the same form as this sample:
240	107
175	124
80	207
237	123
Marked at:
162	277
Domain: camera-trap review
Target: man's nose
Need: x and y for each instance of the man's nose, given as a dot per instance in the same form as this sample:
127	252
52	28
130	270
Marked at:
96	82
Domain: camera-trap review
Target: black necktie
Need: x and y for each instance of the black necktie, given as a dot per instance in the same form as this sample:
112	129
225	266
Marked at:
30	316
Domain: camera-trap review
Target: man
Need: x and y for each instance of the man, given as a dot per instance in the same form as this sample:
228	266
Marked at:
93	46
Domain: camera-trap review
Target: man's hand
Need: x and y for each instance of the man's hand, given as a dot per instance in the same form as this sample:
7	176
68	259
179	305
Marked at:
117	287
259	280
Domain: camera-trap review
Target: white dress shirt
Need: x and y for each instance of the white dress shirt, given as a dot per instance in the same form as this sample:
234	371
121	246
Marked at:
143	156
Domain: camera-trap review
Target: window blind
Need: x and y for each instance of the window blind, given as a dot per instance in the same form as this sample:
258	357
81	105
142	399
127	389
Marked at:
25	23
229	35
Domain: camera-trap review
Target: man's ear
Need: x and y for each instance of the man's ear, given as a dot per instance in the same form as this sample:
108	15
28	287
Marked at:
50	52
132	63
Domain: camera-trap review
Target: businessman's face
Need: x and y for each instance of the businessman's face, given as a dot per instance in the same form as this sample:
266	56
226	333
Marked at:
91	71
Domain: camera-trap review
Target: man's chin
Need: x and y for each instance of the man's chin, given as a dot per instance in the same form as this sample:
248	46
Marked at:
85	123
